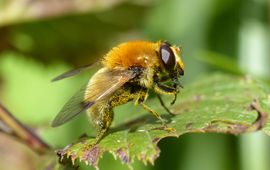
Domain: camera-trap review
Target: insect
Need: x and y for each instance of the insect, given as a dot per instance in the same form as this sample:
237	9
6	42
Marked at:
128	72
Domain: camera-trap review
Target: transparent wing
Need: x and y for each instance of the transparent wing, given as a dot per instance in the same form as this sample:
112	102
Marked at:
74	106
106	82
101	85
74	71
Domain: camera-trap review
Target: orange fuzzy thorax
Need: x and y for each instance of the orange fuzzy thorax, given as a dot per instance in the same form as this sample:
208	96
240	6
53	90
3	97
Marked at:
134	53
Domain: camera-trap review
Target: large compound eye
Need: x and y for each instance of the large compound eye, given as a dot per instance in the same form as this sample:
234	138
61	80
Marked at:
167	56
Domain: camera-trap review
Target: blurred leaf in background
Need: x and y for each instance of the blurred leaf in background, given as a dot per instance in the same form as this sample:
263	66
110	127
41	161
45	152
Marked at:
17	11
74	38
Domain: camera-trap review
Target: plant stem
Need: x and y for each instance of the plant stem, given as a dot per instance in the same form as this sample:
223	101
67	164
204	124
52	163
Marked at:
13	127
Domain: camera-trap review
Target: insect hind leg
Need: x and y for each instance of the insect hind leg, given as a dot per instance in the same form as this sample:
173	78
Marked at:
104	124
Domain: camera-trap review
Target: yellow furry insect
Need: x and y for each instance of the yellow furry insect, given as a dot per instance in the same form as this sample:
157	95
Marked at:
128	72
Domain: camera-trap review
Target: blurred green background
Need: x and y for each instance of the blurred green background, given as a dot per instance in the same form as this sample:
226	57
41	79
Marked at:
40	39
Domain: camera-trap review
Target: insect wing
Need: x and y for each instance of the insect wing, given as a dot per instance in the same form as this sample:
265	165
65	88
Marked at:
74	72
104	83
73	107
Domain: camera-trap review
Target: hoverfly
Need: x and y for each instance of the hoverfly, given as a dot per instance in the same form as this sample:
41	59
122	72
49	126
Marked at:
128	72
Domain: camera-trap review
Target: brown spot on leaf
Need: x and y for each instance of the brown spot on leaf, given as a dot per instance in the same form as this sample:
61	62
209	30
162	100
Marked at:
149	159
189	126
62	152
155	140
91	156
73	156
66	160
261	120
187	110
154	157
122	153
197	98
226	126
142	157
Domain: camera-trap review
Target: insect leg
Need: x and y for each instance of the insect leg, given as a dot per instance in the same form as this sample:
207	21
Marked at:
164	89
175	97
156	114
163	104
142	96
164	78
104	125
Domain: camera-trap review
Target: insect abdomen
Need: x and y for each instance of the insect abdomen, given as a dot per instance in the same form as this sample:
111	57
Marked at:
98	112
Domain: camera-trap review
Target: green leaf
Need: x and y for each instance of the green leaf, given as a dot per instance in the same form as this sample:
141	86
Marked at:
217	103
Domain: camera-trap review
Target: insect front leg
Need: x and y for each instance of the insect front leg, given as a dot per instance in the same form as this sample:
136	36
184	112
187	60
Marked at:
164	89
163	104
